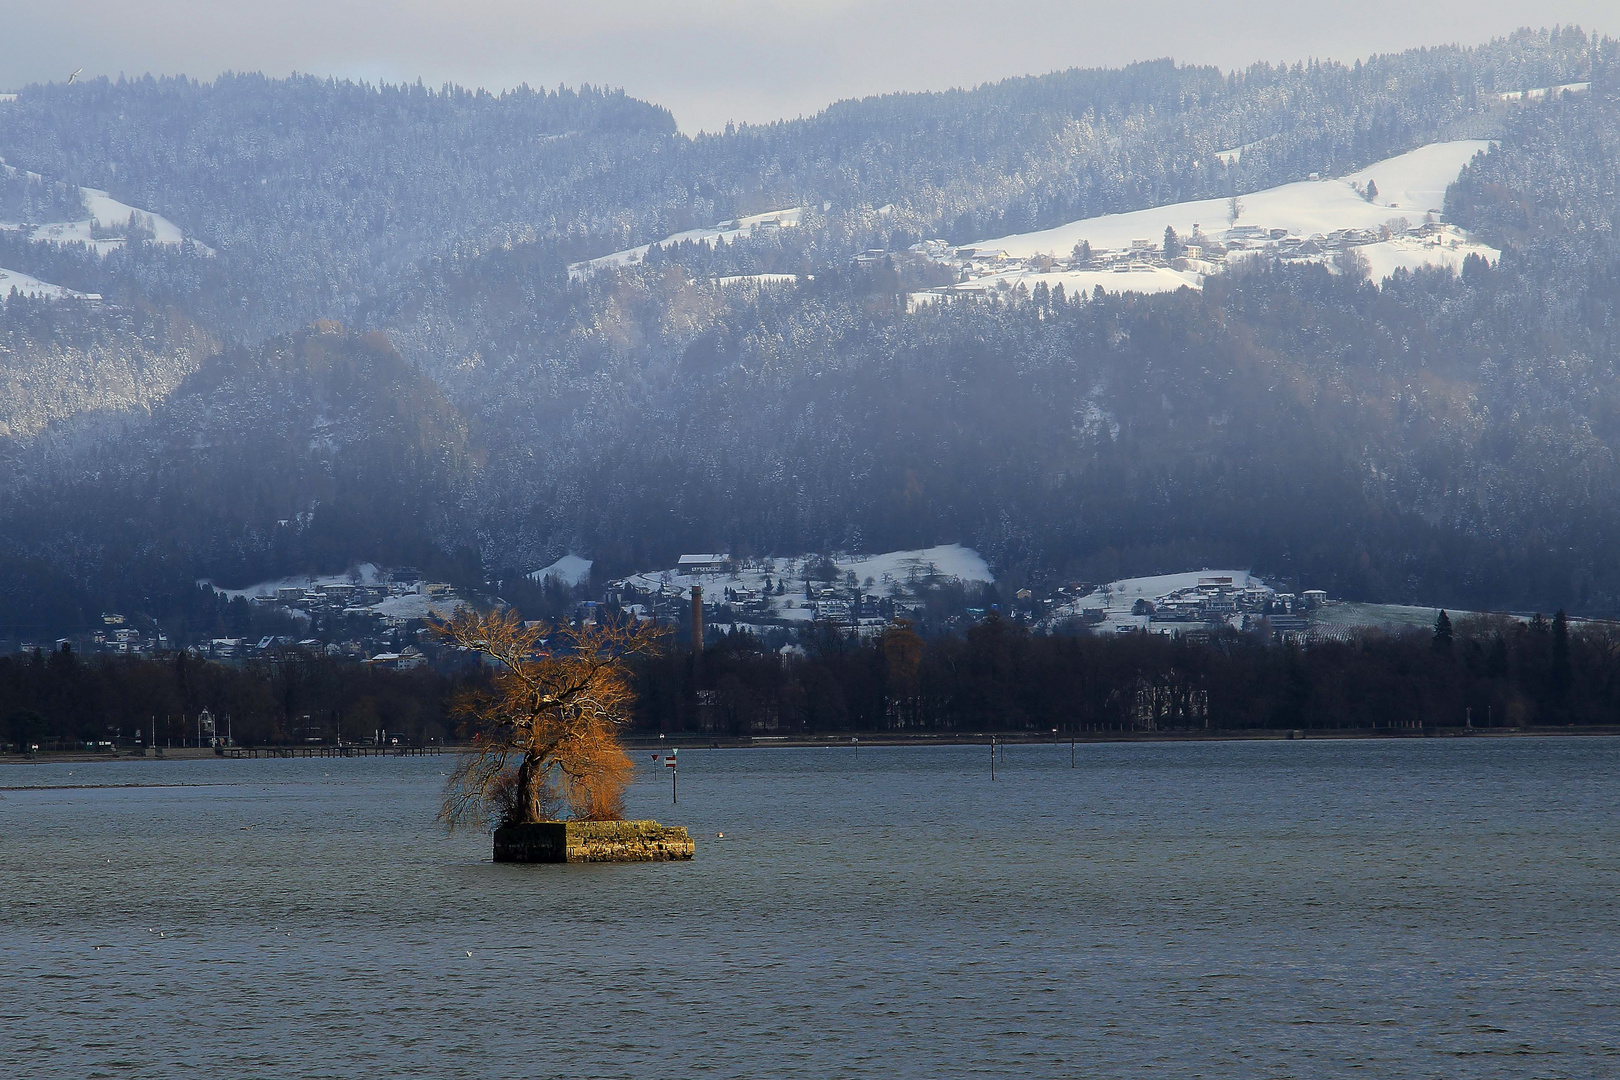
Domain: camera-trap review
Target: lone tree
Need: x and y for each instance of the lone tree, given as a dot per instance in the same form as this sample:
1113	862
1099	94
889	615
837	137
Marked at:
1172	243
546	726
1441	641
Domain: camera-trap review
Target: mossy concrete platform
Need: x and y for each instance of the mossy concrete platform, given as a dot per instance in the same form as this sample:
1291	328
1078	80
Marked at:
592	841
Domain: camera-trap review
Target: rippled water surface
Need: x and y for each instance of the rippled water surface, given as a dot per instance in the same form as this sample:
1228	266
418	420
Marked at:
1380	909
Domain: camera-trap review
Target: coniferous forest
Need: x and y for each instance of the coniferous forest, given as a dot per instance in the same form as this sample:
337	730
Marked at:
370	348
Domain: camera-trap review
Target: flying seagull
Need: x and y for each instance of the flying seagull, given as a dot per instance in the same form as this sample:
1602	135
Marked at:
73	78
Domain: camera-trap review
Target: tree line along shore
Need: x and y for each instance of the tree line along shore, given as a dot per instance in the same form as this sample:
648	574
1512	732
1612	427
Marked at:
1487	673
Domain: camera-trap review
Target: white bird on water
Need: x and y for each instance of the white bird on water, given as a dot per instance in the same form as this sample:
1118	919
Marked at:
469	956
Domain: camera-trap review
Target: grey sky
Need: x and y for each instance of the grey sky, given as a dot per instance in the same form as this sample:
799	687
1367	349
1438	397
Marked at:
710	61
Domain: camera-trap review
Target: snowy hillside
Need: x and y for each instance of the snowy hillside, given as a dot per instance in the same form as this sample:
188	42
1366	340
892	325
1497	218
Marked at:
725	232
28	285
946	560
894	573
1114	606
363	574
570	570
385	596
1387	214
103	214
110	214
1410	186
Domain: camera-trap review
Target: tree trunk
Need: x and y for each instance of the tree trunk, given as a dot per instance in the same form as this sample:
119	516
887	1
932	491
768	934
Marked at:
530	781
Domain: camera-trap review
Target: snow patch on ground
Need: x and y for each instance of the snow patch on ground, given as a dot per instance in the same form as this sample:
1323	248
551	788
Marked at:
570	570
893	573
1382	616
757	279
1235	154
1143	279
1127	591
417	606
1542	93
945	561
1416	185
1117	600
108	211
100	207
28	285
724	232
363	574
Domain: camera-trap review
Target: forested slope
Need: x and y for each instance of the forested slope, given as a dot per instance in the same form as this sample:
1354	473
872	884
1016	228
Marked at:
1433	438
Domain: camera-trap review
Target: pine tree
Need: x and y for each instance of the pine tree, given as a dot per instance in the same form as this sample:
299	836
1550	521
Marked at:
1442	633
1560	675
1172	243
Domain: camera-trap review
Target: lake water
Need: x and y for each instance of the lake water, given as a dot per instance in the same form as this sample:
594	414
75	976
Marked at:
1423	908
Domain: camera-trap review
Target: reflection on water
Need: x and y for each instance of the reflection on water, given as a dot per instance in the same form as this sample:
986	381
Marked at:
1423	908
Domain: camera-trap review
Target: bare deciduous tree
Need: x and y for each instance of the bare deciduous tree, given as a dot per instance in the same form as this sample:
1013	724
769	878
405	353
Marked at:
546	726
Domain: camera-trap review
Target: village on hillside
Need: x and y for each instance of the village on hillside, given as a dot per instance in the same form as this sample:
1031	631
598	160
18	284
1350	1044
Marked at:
382	617
943	589
369	615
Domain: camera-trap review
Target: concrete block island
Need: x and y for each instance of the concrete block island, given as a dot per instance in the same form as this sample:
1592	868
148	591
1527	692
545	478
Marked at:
592	841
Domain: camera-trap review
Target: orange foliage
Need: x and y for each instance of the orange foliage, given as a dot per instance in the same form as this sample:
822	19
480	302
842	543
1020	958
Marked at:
547	725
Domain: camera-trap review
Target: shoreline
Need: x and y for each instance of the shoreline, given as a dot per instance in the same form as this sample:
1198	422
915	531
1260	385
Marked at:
702	741
699	740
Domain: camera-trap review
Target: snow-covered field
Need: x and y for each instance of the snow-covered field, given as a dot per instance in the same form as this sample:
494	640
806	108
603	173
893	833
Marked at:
570	570
1140	279
1380	616
28	285
1117	599
946	561
363	574
1302	221
725	232
402	605
102	208
1410	186
1541	93
107	210
417	606
1127	591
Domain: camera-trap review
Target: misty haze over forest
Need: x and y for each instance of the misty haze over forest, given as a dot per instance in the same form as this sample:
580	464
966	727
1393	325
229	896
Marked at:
816	539
263	327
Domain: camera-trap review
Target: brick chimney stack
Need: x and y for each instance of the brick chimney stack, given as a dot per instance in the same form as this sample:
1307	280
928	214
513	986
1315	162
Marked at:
697	619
